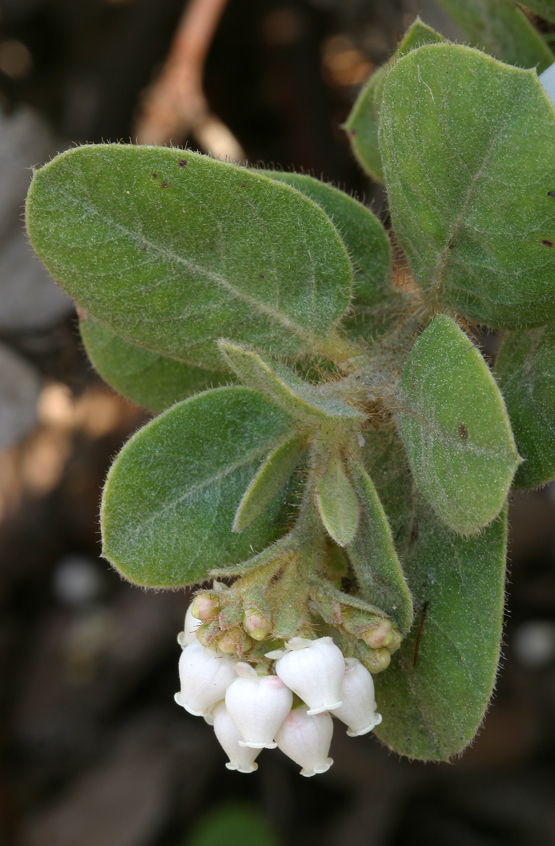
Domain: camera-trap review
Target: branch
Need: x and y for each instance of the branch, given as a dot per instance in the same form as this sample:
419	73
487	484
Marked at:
175	105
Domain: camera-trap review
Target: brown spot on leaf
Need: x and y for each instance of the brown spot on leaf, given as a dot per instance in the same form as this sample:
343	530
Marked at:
182	162
547	243
155	176
419	632
414	531
163	185
463	432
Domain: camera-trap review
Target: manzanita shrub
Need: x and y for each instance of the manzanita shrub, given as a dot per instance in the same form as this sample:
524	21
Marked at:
331	446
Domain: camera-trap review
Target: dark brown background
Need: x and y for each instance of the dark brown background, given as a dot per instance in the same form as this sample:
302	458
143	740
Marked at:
93	749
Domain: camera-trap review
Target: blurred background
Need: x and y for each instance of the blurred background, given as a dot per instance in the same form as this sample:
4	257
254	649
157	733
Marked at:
93	749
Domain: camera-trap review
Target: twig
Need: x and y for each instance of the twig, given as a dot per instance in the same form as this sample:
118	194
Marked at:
175	105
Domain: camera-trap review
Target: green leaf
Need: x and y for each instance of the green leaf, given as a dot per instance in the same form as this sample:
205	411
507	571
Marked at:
468	201
377	303
432	711
269	480
503	30
337	502
303	401
455	428
543	8
386	462
362	233
173	256
373	558
416	36
151	380
362	128
362	124
322	588
172	493
235	824
525	371
261	560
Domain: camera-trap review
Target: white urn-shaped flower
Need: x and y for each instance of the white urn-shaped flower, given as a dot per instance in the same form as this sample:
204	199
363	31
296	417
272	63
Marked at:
188	635
358	710
306	739
241	757
257	705
205	677
314	670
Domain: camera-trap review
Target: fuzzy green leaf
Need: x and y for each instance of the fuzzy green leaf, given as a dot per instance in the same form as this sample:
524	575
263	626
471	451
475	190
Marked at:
173	256
362	124
151	380
300	399
455	428
433	710
416	36
468	201
362	233
269	480
337	501
362	128
373	558
386	462
525	371
172	493
500	28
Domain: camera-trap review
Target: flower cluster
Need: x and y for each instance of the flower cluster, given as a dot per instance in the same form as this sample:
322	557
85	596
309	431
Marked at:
286	703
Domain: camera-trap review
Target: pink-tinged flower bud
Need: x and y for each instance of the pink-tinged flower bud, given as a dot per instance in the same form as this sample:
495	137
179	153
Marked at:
257	705
189	633
306	739
314	670
257	624
205	677
206	606
358	711
378	636
241	758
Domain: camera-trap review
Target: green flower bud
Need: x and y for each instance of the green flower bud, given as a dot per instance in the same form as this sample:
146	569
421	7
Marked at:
203	635
234	642
395	642
377	660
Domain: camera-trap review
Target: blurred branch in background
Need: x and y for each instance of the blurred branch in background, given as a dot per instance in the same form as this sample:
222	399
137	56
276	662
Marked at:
175	105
